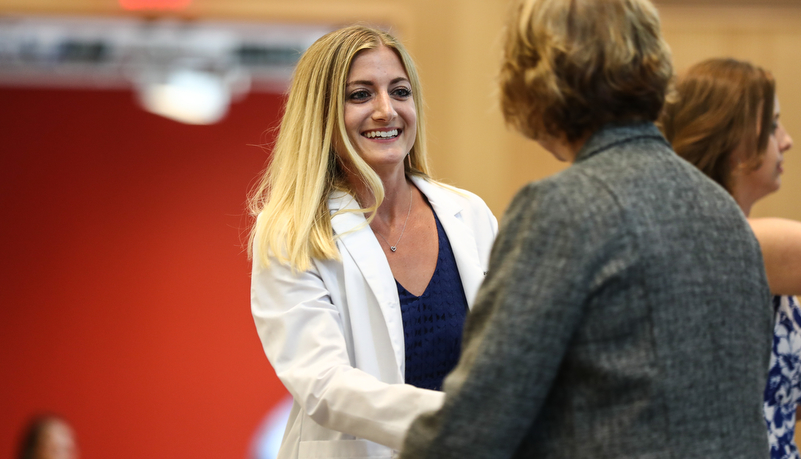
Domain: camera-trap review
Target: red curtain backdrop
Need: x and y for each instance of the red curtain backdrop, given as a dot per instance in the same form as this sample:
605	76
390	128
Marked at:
124	283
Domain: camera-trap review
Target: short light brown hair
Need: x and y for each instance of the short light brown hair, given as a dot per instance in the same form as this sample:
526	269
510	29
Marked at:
721	104
571	66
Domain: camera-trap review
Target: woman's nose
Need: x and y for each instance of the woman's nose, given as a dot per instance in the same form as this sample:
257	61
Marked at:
383	109
785	141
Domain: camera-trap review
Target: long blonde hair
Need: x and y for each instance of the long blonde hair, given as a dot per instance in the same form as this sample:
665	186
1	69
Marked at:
291	199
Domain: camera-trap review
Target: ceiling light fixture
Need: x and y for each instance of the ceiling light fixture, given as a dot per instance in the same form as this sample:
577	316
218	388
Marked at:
189	71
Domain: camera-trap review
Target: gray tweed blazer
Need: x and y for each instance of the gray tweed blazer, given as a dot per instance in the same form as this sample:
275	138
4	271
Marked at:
625	315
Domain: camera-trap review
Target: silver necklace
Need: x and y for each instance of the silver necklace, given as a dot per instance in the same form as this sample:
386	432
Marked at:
395	247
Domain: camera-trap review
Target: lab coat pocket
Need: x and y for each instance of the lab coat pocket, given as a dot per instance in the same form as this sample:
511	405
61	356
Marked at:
343	449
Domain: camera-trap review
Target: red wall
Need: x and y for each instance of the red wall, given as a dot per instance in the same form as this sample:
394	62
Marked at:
124	301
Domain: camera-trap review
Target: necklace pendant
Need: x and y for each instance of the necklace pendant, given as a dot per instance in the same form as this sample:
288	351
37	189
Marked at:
393	248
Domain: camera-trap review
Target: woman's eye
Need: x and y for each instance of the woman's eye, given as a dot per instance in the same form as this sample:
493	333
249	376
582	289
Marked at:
774	126
359	95
402	92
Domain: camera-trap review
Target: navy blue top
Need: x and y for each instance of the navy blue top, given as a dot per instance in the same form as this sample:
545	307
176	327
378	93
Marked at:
433	322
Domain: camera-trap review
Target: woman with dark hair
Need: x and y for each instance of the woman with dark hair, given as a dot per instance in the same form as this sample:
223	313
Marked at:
726	122
608	320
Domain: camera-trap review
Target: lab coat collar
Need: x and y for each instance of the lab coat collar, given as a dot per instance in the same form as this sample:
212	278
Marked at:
461	237
353	232
351	227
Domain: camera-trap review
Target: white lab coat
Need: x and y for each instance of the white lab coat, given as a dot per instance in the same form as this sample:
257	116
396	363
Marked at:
334	334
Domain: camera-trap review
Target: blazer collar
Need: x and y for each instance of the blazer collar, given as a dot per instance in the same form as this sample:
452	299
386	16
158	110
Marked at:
614	134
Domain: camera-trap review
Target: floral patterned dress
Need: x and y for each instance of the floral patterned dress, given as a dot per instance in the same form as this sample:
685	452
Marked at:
783	390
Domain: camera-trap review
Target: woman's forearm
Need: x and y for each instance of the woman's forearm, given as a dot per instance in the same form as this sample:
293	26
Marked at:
780	240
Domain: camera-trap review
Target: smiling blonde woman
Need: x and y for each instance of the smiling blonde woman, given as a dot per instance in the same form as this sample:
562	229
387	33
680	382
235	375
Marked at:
363	267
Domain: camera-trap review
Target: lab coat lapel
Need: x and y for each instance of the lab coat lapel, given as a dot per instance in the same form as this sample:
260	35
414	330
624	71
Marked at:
365	251
461	237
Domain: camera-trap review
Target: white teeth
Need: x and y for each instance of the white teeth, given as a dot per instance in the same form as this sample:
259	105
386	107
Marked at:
382	134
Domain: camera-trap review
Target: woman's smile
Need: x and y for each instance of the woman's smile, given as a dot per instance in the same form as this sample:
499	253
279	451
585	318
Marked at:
380	115
382	134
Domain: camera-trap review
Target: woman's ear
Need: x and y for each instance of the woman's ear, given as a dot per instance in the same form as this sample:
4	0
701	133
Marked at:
739	160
